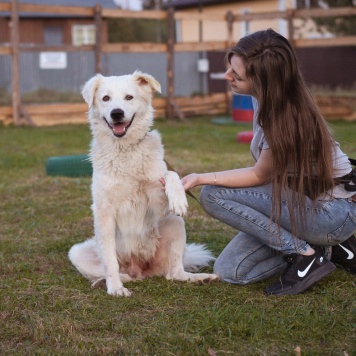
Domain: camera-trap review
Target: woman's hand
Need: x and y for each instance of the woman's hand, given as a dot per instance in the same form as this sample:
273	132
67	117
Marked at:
190	181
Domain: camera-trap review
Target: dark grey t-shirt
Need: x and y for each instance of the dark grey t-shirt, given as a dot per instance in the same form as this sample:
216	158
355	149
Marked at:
341	162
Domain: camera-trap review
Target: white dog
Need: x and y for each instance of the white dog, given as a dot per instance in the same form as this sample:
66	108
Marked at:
138	232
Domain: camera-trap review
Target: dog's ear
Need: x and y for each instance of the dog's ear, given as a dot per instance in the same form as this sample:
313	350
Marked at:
147	79
89	89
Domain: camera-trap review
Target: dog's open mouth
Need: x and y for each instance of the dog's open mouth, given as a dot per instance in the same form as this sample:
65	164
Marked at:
120	129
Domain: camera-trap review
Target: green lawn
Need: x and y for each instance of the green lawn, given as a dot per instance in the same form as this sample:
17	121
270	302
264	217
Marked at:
47	308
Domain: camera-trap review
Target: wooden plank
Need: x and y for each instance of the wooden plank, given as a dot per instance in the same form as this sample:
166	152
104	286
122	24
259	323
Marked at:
6	120
197	16
134	47
326	42
211	99
48	109
65	48
270	15
144	14
63	10
5	110
5	7
4	50
53	120
203	46
215	104
331	12
60	108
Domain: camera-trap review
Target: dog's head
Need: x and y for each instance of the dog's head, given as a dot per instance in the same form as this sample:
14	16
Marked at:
121	103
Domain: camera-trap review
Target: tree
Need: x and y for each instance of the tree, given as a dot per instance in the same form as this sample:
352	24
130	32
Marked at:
342	26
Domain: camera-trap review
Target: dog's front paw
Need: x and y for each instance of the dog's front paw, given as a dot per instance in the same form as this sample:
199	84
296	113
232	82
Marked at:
178	206
124	292
116	288
177	199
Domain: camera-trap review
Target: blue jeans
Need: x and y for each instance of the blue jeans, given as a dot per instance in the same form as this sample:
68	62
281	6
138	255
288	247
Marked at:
256	252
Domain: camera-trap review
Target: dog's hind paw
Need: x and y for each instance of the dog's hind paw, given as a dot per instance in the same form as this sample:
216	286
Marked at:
209	280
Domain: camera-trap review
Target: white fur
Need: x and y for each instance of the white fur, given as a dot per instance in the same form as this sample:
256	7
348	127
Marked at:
138	227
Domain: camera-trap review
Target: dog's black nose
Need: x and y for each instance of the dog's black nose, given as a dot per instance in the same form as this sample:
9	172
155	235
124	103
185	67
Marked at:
117	115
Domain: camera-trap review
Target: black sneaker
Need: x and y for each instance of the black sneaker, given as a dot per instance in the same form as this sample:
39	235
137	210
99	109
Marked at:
344	254
302	272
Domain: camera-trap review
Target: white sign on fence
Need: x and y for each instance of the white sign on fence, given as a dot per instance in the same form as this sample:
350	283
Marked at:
53	60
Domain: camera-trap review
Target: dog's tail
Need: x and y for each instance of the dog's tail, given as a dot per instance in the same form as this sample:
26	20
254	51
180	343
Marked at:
196	256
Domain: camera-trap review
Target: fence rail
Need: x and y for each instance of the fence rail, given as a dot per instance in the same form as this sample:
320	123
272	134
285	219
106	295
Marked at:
170	48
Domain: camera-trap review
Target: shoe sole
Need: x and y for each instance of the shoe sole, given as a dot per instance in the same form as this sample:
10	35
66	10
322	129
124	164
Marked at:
309	281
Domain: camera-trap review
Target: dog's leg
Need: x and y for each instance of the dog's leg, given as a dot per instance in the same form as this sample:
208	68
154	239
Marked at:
175	193
84	257
105	229
171	250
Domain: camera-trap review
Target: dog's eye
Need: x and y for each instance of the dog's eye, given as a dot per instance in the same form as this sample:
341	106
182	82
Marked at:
128	97
106	98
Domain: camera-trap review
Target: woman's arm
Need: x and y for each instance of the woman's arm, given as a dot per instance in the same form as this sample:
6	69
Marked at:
259	174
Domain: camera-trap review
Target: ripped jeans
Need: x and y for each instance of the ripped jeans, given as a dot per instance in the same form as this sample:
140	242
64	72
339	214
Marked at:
256	252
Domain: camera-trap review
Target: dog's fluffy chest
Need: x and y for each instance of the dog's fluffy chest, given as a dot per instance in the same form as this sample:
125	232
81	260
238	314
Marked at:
126	184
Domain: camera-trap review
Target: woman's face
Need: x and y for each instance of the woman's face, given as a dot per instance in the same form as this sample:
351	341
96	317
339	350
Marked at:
236	75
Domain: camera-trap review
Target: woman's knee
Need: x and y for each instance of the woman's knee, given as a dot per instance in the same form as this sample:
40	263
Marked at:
247	260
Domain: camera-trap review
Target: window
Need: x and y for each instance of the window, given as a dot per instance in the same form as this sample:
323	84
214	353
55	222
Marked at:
83	35
53	36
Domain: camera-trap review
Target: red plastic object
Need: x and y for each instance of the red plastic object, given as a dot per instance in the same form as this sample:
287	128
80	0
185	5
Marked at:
244	136
242	115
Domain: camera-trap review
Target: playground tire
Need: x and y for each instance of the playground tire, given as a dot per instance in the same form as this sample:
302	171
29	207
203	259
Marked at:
69	166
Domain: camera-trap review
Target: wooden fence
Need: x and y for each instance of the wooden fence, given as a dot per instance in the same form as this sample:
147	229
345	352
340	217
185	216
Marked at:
173	106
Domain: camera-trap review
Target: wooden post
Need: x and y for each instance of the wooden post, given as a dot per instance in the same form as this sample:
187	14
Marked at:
230	43
172	106
98	38
170	61
290	17
230	27
15	39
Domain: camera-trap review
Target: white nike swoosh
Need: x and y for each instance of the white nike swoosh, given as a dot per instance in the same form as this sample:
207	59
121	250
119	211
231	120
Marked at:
301	274
350	254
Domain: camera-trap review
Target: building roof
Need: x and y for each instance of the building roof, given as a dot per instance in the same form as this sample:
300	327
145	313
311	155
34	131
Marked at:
183	4
86	3
106	4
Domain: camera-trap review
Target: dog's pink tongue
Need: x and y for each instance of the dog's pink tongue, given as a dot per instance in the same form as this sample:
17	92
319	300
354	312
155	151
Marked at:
119	129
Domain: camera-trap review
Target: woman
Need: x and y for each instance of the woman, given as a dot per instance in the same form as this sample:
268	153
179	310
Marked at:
291	202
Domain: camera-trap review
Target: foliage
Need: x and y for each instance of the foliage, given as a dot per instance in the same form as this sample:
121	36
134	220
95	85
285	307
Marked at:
48	308
136	30
342	26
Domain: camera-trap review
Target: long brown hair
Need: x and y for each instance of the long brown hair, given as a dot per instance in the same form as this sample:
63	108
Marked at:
297	134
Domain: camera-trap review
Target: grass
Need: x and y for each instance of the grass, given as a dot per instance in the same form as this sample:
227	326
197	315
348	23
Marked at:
47	308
